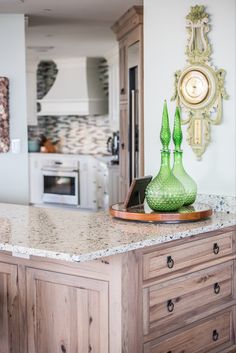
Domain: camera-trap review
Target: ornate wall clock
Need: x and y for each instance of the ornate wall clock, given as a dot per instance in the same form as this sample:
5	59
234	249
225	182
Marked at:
199	88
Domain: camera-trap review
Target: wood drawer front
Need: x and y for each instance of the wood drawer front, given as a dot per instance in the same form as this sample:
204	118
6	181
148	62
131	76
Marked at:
159	262
208	336
169	305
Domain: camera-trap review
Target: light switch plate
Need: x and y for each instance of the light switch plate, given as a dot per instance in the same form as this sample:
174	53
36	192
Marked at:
15	146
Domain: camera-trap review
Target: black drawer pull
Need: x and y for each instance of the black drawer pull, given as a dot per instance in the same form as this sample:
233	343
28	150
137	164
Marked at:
122	91
169	352
170	262
216	288
216	249
170	306
215	335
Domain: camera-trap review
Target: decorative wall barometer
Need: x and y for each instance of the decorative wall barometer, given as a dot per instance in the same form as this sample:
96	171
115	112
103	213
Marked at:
199	88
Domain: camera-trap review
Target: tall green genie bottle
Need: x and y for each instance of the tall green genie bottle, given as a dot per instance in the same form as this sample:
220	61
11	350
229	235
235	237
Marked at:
165	192
178	170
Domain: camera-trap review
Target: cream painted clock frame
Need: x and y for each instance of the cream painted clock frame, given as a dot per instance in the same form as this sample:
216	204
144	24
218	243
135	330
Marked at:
199	88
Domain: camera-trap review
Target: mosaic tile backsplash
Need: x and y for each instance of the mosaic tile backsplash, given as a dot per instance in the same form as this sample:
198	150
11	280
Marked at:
77	134
46	76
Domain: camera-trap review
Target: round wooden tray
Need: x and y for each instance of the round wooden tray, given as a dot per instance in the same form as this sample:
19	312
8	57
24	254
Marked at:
195	212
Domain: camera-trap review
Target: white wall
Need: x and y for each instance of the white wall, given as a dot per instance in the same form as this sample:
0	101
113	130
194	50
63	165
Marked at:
165	39
14	167
112	57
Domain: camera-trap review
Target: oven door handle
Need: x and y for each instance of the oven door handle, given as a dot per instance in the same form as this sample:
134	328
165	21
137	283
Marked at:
59	170
72	173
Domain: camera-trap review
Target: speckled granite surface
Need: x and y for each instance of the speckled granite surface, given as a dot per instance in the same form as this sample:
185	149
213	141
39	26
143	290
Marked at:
81	236
219	203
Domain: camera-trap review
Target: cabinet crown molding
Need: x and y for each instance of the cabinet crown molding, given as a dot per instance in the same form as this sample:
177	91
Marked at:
129	21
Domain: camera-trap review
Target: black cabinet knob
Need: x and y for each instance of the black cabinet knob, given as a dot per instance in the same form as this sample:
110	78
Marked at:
215	335
170	262
216	288
170	306
122	145
122	91
216	249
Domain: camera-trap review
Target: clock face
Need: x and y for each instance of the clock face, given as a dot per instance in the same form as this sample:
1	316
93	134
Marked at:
194	87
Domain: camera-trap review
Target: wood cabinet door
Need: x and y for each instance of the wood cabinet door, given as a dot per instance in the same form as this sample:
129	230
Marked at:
66	314
123	69
9	309
124	152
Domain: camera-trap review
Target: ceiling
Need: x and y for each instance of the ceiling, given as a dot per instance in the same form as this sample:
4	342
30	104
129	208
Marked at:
63	28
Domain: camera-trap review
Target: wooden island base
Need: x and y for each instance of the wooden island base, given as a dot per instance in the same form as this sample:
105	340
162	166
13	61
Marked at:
175	297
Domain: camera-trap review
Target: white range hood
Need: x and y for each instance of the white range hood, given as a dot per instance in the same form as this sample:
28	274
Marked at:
77	89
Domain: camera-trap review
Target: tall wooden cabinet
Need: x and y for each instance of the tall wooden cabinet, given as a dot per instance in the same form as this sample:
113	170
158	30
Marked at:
129	33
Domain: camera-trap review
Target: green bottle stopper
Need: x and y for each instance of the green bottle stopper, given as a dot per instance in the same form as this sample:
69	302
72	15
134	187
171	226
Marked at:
165	134
177	132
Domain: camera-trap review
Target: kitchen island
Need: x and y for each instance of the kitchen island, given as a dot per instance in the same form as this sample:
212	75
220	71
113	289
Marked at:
78	282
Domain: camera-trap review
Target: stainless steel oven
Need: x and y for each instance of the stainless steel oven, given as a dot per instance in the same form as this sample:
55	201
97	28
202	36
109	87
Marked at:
61	184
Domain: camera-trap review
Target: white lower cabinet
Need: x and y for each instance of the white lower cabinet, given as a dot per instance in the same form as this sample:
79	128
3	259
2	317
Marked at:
88	184
98	181
35	179
107	185
113	185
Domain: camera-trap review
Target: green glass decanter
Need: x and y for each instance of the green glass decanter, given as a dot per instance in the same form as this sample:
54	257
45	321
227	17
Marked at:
178	170
165	192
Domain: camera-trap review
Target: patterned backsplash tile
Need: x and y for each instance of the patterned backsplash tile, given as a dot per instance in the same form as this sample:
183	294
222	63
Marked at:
77	134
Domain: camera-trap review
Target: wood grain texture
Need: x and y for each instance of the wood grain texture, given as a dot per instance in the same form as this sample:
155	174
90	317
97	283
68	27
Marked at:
198	338
229	350
188	294
128	21
9	309
196	237
122	73
189	254
104	305
22	308
129	30
124	154
131	305
74	310
115	304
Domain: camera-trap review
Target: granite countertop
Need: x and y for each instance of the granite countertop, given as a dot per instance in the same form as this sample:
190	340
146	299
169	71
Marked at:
78	236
